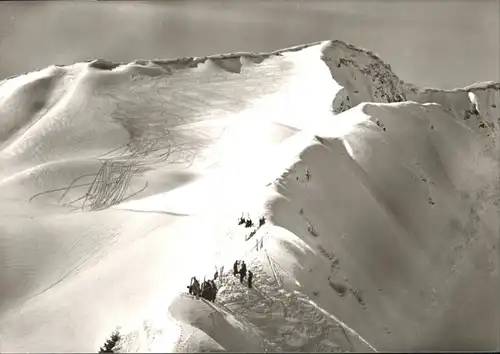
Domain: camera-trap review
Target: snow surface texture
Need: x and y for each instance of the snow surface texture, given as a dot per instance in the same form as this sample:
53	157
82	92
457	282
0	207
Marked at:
119	182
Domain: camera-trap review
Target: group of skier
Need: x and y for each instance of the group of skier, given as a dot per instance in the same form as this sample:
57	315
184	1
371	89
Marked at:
207	290
242	272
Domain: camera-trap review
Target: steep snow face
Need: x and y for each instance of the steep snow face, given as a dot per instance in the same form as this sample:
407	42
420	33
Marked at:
397	224
119	182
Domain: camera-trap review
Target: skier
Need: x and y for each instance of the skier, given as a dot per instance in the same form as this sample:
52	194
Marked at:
190	288
235	268
196	287
216	275
214	291
250	277
206	290
243	271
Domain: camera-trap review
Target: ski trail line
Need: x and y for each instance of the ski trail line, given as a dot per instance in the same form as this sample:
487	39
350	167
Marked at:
272	269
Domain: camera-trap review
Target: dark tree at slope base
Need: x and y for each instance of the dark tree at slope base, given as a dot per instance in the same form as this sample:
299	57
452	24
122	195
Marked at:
110	343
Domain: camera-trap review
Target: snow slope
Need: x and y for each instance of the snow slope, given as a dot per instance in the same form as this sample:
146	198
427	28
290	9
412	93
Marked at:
119	182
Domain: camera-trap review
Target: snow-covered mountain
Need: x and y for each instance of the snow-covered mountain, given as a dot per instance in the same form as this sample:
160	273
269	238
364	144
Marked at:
119	182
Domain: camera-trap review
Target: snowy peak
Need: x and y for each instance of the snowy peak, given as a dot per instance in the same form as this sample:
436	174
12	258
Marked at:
364	77
362	74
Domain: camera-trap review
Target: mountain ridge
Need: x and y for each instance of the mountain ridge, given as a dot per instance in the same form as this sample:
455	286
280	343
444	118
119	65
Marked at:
104	64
